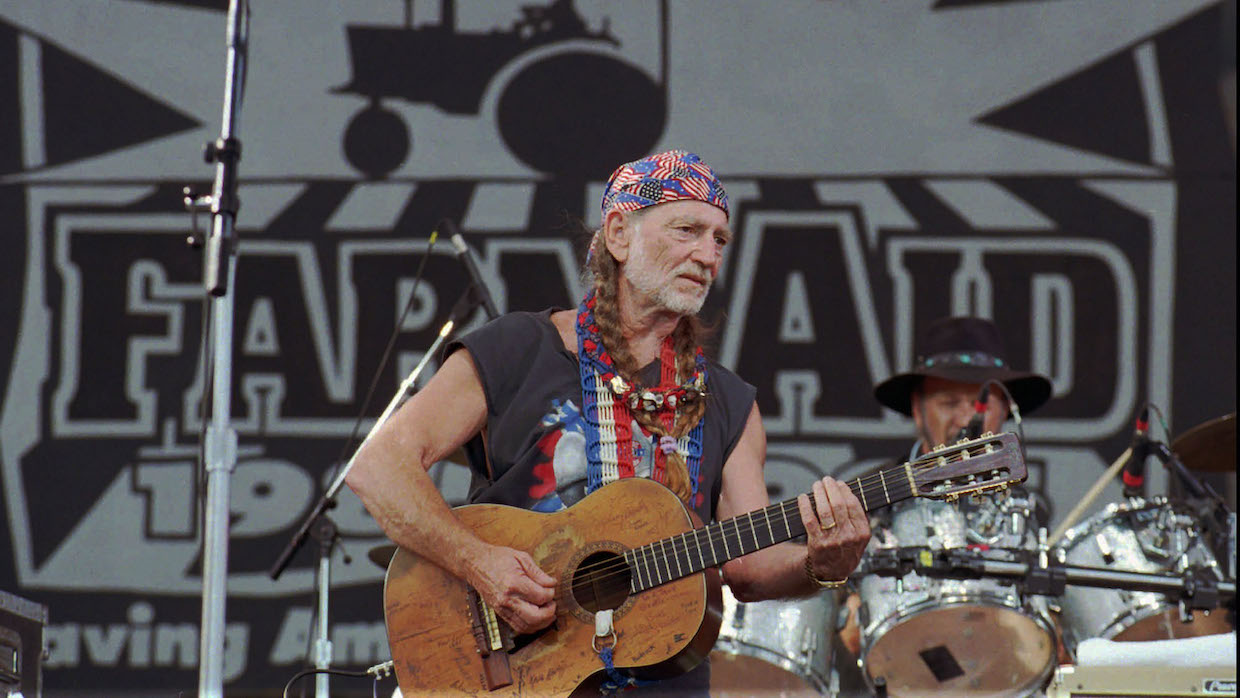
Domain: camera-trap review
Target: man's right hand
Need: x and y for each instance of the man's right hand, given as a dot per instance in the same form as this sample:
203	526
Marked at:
513	585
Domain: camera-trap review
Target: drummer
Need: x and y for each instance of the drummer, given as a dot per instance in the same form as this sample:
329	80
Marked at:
954	357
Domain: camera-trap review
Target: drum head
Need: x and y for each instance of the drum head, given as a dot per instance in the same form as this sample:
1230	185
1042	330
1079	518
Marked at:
974	649
1166	625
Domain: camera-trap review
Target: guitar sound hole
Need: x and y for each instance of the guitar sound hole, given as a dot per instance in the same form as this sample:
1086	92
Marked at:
601	582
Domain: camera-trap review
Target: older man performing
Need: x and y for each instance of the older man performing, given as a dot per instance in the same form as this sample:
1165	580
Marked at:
567	402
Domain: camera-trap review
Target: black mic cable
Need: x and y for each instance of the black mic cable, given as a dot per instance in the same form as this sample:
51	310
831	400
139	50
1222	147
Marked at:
286	556
387	355
1013	408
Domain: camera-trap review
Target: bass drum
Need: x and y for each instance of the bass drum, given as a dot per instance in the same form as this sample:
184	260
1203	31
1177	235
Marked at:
933	637
773	648
1135	536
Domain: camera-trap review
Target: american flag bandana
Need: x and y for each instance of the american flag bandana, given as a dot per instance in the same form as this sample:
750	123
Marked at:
673	175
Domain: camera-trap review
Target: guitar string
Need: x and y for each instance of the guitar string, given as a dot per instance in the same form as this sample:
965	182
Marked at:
717	532
862	487
618	567
605	570
784	508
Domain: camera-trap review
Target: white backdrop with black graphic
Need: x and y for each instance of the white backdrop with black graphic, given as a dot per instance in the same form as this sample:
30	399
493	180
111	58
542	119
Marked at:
1061	166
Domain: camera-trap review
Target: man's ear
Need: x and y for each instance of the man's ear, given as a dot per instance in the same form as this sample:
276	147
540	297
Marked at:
618	234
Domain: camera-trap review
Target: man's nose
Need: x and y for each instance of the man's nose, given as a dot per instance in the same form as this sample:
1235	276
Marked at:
707	253
962	415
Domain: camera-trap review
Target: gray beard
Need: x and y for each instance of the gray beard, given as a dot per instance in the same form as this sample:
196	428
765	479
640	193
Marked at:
646	282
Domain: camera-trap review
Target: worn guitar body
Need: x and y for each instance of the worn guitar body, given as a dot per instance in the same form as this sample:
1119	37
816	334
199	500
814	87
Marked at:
664	630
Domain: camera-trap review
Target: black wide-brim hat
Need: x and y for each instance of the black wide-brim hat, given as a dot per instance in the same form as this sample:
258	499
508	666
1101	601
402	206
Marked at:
966	350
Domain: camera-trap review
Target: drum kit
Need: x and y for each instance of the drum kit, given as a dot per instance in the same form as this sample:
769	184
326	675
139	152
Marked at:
968	598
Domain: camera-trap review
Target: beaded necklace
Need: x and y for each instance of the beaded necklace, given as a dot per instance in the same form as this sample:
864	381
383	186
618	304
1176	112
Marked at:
608	400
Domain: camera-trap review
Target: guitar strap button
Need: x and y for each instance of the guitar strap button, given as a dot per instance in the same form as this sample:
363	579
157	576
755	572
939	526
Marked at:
603	629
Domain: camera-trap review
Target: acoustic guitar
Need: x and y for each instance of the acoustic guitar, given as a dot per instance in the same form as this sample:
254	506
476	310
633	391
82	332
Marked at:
633	548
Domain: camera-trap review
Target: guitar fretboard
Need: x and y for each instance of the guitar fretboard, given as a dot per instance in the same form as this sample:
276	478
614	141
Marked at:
710	546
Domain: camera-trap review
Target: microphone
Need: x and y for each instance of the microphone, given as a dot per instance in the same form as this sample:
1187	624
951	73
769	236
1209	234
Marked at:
974	428
466	258
1134	469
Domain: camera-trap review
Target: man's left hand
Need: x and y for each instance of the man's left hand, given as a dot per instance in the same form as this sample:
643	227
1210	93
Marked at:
836	527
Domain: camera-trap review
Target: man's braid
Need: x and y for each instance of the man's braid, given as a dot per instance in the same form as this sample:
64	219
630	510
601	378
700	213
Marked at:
606	273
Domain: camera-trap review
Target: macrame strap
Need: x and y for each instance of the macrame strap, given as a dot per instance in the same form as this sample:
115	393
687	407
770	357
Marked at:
616	681
608	401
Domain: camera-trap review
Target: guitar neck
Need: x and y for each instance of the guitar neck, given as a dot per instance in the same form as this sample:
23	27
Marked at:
710	546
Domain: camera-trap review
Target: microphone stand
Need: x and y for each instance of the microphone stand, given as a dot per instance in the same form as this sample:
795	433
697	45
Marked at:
219	271
1196	488
319	520
1206	503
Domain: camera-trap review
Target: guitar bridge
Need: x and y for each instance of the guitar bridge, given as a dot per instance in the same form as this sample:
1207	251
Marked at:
492	639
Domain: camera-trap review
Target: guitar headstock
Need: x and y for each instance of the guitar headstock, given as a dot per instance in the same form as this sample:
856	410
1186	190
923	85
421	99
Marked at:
988	463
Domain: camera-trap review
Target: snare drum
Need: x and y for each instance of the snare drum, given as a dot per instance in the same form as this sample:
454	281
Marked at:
928	636
1135	536
773	648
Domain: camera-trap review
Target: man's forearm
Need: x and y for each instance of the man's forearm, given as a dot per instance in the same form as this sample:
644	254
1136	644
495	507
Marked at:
409	508
777	572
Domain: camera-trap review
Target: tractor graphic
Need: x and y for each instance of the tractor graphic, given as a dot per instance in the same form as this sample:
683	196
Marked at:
564	101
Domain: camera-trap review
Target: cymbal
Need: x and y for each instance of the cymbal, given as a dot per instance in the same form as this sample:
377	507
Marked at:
381	555
1209	446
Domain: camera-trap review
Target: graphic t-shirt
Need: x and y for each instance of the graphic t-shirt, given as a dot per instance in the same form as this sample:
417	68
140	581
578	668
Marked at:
536	431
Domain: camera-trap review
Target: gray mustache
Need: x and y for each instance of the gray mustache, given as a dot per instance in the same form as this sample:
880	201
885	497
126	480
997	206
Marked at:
695	269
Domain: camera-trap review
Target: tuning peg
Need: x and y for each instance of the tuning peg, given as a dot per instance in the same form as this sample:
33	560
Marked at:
962	441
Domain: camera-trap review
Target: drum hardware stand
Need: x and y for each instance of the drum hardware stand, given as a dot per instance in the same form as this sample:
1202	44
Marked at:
1210	507
1046	575
318	520
219	271
1215	511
